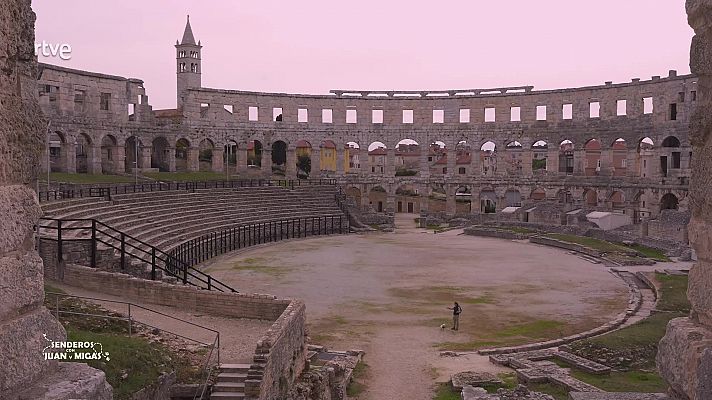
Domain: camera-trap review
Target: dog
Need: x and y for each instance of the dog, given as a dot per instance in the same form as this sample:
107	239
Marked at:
442	327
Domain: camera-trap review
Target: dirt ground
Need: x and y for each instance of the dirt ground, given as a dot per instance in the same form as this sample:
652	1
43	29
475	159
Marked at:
388	293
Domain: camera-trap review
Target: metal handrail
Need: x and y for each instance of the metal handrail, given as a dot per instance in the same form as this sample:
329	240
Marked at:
108	190
214	346
153	256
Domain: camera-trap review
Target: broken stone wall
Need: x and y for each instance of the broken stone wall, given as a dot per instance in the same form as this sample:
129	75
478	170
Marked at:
685	353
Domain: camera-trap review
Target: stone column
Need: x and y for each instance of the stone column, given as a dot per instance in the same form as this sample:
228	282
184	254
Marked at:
579	161
527	156
291	172
632	163
119	154
94	160
390	203
552	161
606	162
266	162
390	170
146	153
171	155
451	162
23	317
339	160
193	163
450	204
423	164
685	353
218	163
69	158
475	163
242	159
315	163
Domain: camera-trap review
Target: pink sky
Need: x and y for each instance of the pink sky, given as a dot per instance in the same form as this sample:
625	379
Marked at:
314	46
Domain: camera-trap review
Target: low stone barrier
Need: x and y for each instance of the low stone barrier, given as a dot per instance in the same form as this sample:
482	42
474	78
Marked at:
494	233
565	245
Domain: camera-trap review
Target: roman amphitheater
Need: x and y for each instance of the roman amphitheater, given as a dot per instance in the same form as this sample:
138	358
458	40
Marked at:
294	246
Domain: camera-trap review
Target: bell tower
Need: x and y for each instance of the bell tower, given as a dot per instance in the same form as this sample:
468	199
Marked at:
188	66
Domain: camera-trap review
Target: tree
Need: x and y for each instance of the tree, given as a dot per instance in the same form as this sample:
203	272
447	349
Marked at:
304	165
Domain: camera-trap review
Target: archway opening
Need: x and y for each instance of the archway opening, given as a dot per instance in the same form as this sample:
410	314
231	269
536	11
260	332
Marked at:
108	154
353	155
566	157
304	164
488	158
159	154
488	201
132	151
669	202
377	198
182	146
463	200
82	146
670	157
513	158
617	200
538	194
377	152
254	154
619	157
592	150
539	152
590	198
279	158
327	156
513	198
205	155
407	199
407	157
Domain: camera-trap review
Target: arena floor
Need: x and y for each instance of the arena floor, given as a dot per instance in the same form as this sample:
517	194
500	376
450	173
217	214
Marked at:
388	293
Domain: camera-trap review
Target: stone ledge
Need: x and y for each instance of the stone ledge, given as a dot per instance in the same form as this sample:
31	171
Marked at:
70	381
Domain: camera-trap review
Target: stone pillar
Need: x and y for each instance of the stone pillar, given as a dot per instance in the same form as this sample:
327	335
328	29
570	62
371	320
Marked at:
475	163
390	203
291	172
171	155
218	163
450	204
606	162
579	161
451	162
552	161
94	160
242	159
527	156
44	162
685	353
633	163
146	153
390	170
266	162
315	163
119	154
69	158
23	317
193	163
423	164
339	160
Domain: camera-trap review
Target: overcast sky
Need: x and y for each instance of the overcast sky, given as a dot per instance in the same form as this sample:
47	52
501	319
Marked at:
314	46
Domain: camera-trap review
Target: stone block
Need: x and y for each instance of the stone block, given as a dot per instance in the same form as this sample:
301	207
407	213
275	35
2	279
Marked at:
21	355
21	212
69	381
685	360
22	287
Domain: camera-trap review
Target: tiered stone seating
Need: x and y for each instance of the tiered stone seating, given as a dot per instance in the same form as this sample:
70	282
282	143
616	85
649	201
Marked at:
167	219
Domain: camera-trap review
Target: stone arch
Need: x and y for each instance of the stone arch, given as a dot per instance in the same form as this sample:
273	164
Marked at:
58	152
407	157
279	157
407	198
82	152
645	158
354	193
564	196
352	156
463	199
616	200
182	148
230	157
303	152
205	155
488	158
540	152
133	146
669	202
590	197
513	157
327	156
488	200
566	157
670	155
254	154
377	153
160	154
537	194
592	152
619	157
378	198
513	197
109	154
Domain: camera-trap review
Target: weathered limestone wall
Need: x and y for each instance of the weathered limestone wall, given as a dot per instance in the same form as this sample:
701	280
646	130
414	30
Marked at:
685	353
236	305
280	356
23	319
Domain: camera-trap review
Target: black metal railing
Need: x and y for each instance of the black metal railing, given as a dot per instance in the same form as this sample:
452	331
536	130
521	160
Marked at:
109	190
128	247
213	244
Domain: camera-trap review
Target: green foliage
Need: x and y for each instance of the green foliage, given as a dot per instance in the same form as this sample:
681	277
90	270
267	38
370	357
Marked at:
629	381
86	178
674	293
539	163
557	392
444	392
359	374
205	155
304	164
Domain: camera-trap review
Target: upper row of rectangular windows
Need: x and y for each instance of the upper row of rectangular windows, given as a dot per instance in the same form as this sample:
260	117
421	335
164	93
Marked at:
438	117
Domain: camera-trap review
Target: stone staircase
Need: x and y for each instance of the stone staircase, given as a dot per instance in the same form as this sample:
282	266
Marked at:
230	383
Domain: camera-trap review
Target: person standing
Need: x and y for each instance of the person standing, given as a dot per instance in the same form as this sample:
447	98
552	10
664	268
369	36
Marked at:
456	311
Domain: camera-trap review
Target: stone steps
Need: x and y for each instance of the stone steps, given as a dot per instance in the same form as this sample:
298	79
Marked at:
230	382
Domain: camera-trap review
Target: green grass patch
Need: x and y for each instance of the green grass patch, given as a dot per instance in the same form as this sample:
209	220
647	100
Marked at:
630	381
87	178
535	330
258	265
484	299
596	244
357	385
187	176
674	293
509	336
654	254
444	391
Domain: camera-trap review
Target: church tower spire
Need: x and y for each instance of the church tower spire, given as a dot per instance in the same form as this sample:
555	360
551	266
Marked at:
188	66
